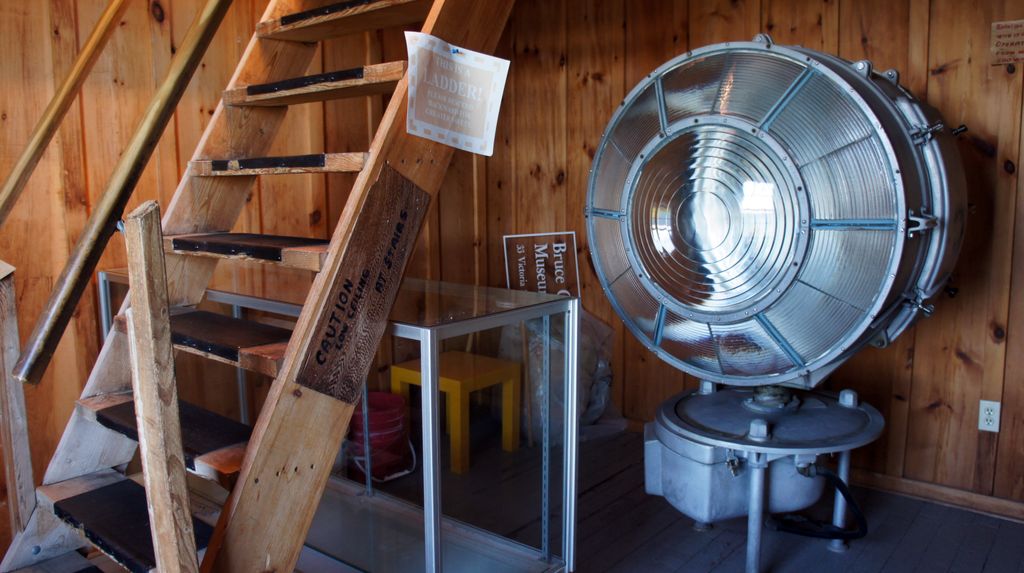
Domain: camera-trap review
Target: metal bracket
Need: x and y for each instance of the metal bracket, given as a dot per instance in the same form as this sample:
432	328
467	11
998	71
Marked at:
804	462
924	133
732	462
881	340
920	223
863	67
925	308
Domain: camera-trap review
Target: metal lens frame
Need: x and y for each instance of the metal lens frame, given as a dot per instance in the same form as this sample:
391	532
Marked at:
749	208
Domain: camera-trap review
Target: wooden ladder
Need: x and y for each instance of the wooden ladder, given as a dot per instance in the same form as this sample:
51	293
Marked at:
279	467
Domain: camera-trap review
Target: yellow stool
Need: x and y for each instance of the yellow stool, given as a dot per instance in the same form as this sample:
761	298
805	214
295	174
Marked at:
461	373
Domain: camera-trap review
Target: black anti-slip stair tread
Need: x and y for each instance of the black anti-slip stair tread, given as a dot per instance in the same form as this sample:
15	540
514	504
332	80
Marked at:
342	18
202	431
305	81
266	247
115	518
322	11
294	161
222	335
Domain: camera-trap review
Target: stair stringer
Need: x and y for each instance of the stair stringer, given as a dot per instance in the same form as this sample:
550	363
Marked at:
45	537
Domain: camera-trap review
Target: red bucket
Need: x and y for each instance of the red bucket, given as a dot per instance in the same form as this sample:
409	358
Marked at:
389	436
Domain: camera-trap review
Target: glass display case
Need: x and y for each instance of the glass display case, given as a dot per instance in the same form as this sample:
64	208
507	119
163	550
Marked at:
361	526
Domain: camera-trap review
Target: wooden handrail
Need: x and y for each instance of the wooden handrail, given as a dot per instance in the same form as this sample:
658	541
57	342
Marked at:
58	107
102	223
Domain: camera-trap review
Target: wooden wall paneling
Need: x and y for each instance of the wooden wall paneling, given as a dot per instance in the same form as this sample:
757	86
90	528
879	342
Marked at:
915	76
812	24
114	97
960	351
596	74
83	341
462	206
876	30
164	162
462	237
539	136
500	172
714	21
539	125
1009	479
655	32
425	262
34	238
501	169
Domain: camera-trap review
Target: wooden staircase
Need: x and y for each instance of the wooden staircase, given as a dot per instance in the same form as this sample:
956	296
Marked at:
279	467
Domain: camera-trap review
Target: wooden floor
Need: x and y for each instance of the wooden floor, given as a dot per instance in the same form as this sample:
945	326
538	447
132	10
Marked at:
622	529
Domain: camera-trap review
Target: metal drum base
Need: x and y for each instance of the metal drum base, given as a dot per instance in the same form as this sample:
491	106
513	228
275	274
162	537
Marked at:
721	454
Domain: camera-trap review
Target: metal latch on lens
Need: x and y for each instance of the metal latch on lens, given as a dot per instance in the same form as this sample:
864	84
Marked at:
920	223
924	134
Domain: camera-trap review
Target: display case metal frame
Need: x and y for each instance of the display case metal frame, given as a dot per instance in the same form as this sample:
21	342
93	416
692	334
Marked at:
430	338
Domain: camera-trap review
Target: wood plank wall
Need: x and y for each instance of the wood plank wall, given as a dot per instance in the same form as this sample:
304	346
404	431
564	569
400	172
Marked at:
573	61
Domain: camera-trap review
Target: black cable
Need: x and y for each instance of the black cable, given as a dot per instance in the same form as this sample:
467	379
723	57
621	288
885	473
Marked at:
800	525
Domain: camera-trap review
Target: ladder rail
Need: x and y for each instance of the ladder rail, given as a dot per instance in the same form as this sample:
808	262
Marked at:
78	270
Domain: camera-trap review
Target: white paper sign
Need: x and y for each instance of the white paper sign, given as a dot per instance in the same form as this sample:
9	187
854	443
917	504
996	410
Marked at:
454	93
1007	42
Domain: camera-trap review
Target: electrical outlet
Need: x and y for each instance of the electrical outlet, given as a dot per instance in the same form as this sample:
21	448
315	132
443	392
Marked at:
988	416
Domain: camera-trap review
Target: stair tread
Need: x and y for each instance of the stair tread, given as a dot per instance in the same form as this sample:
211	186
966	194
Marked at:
115	519
313	163
254	346
265	359
213	444
353	82
296	252
222	335
343	18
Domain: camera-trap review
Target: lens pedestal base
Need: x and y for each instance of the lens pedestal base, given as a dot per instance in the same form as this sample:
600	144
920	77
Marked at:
718	454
